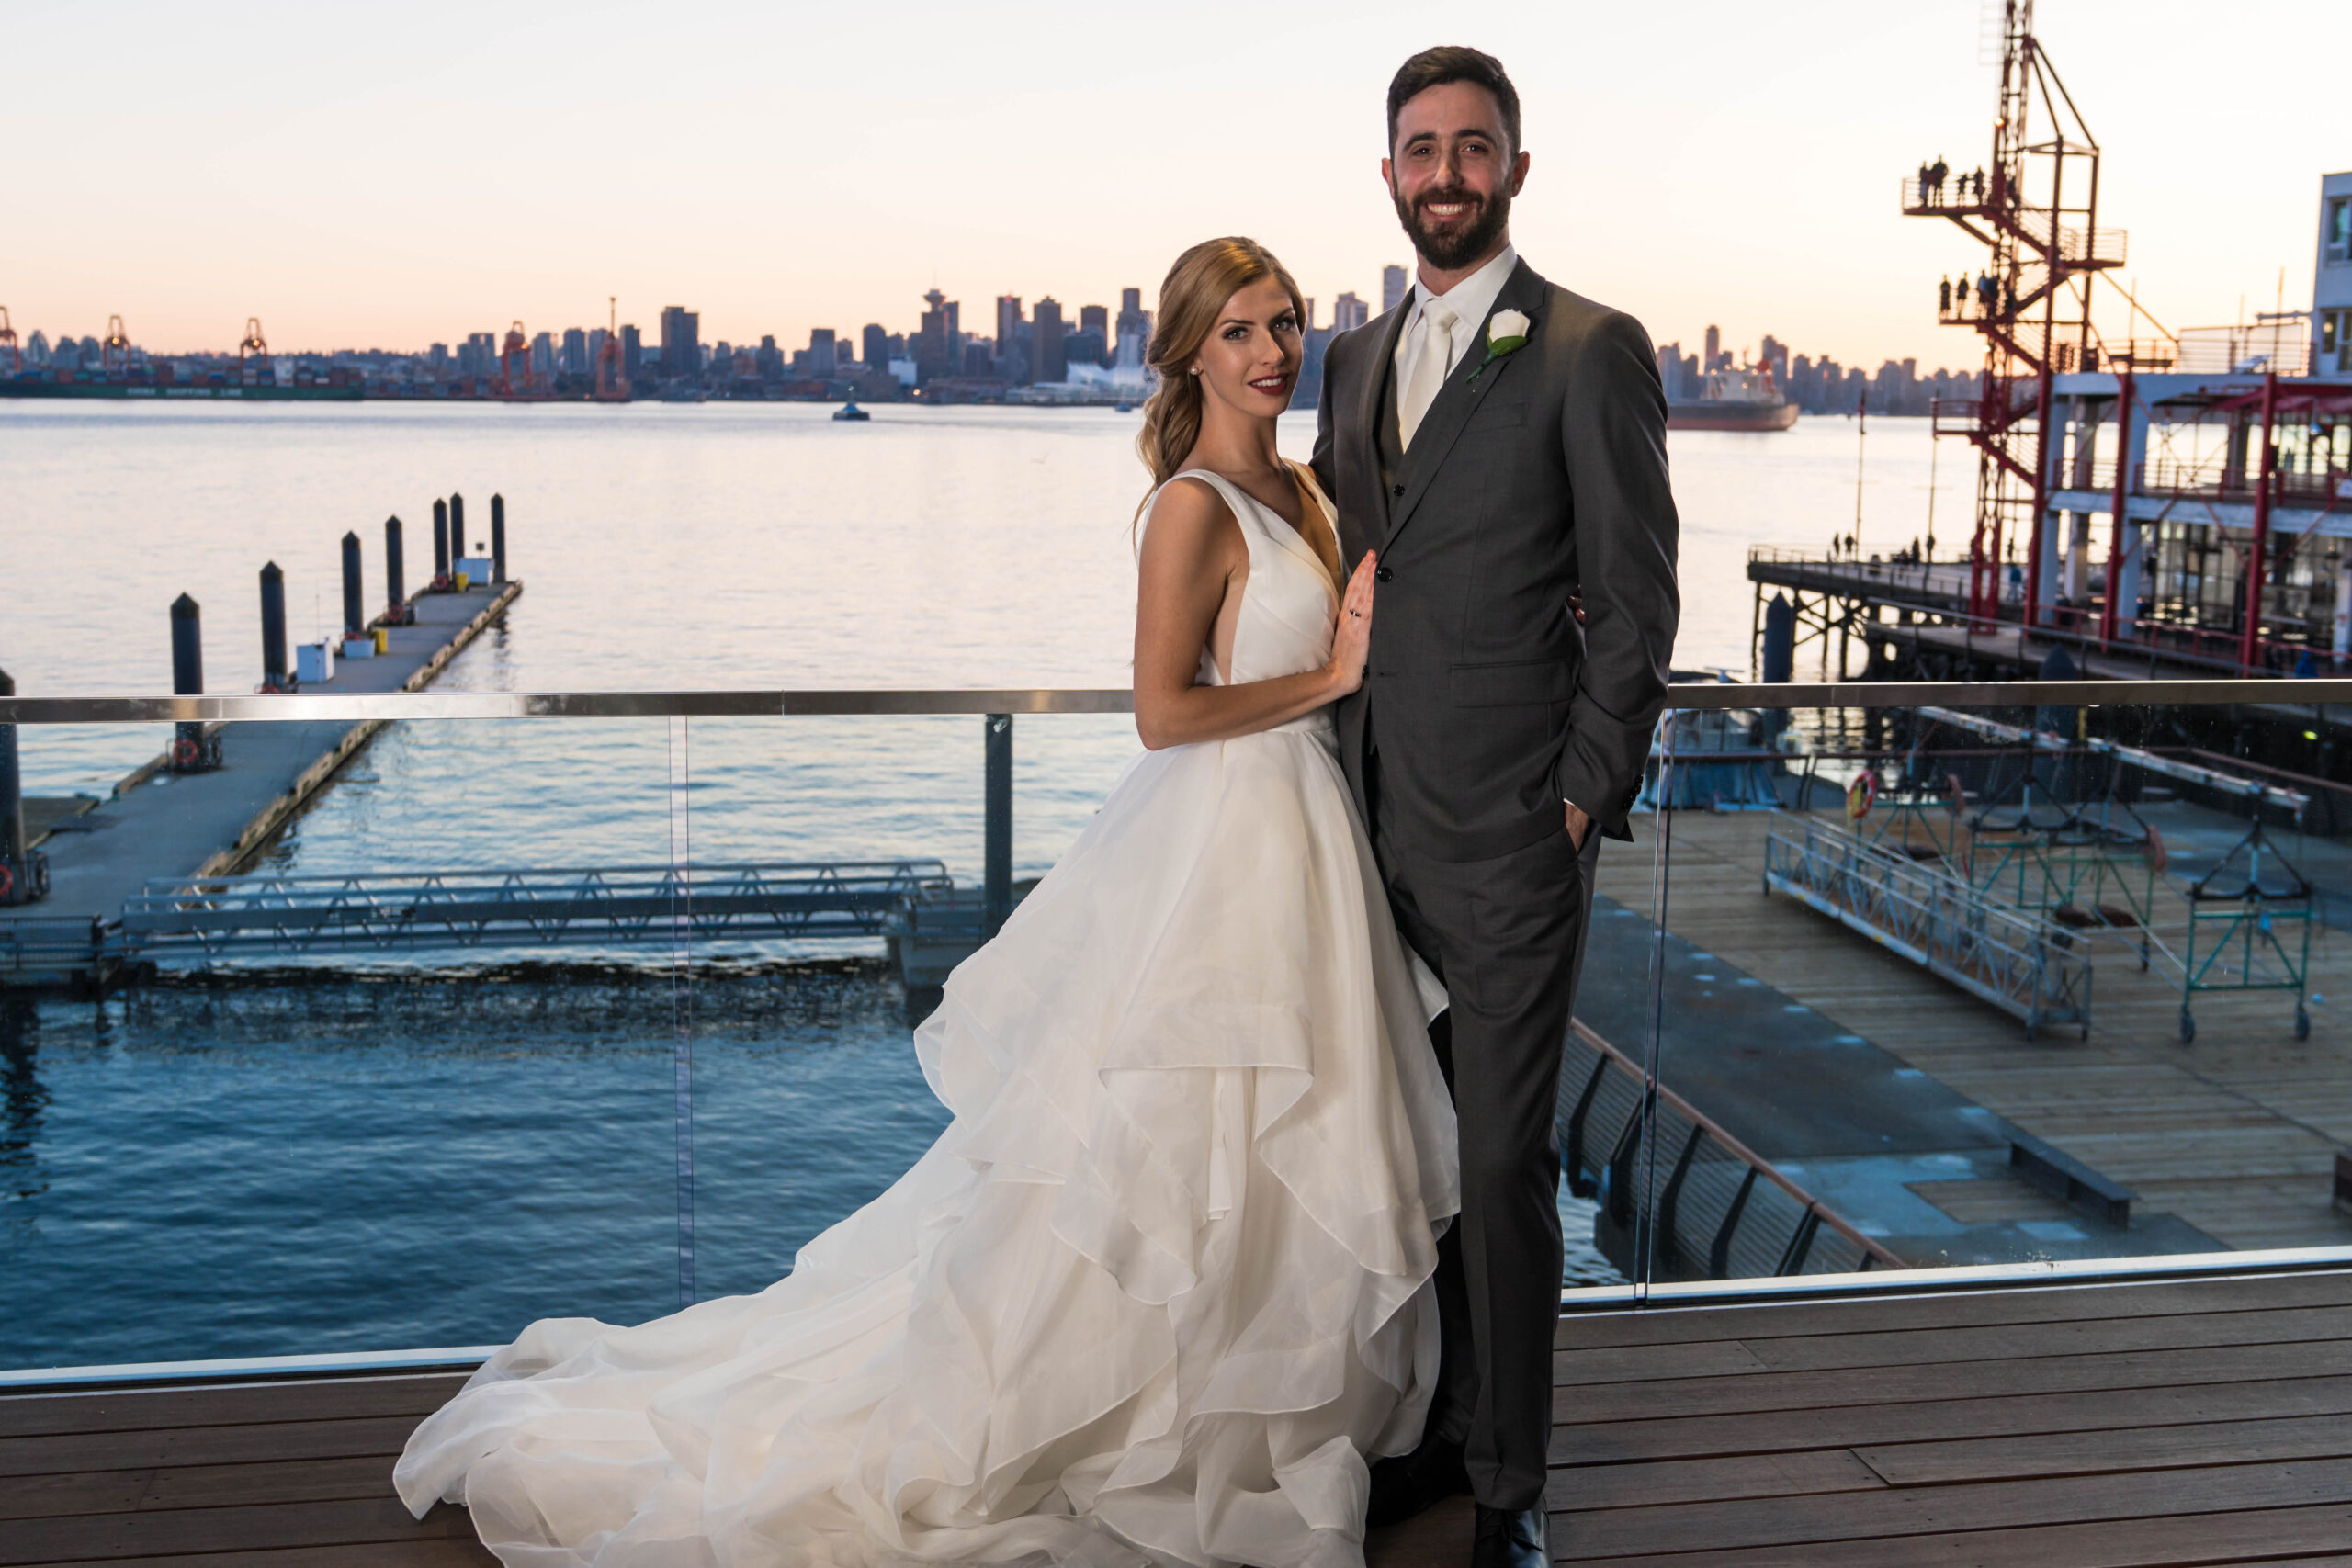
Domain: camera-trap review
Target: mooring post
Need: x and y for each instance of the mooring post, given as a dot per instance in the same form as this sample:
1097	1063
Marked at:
440	544
456	531
190	754
14	882
355	604
498	538
274	675
395	575
996	882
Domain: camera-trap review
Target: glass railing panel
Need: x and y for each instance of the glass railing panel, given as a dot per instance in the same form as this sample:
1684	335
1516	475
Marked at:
393	1073
1949	983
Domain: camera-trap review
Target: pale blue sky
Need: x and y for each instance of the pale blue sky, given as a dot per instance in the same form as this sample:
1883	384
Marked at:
394	175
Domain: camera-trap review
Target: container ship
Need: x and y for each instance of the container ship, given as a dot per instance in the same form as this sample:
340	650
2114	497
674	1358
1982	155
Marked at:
1733	400
33	384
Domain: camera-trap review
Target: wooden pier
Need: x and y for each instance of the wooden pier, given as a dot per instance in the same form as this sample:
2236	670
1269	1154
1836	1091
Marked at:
2104	1424
160	823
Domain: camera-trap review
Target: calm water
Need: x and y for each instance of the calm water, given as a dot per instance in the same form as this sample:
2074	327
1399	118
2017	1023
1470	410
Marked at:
428	1153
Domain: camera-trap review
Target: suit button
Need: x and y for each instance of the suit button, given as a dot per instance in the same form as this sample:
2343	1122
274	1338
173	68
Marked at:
1396	490
1381	574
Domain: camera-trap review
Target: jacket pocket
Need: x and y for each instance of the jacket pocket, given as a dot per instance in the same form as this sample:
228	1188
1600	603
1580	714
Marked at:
1502	685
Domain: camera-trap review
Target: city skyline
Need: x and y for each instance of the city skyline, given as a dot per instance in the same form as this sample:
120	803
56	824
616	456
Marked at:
381	189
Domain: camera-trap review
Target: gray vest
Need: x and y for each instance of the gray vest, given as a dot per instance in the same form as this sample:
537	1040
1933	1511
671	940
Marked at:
1388	440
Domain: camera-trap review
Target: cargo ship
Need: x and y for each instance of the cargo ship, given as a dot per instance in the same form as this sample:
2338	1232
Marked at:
1733	400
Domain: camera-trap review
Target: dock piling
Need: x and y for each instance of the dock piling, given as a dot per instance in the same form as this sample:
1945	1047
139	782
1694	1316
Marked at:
275	675
192	752
456	529
996	890
396	610
498	540
1780	640
440	544
24	872
355	603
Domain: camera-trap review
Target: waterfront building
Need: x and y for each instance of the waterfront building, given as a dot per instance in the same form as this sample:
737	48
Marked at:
1394	285
2332	278
1133	321
543	352
1096	319
681	340
824	360
1045	335
936	349
1348	313
577	358
37	348
632	352
1084	346
877	346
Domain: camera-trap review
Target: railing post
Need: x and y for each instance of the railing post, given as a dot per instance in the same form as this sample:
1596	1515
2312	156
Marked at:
23	875
996	887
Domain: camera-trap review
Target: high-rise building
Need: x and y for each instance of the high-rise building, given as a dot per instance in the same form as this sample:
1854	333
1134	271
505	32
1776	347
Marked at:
1714	348
1393	287
822	359
1348	313
543	355
877	346
577	357
1009	321
936	349
1045	335
681	340
1134	324
632	352
1096	319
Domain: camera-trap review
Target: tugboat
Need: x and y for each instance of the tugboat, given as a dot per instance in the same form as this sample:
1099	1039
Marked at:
1733	400
851	411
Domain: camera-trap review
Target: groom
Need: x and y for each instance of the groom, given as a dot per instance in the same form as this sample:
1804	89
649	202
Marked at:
1500	443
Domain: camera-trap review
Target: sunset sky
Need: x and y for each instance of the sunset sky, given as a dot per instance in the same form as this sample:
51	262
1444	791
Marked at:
390	177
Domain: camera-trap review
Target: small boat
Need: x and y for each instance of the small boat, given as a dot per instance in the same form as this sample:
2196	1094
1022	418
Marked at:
851	411
1125	407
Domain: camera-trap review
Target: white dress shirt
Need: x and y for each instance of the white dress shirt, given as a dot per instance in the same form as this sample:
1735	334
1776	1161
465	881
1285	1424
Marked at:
1472	299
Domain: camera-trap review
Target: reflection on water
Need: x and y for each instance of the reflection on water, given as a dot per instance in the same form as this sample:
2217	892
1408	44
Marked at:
322	1164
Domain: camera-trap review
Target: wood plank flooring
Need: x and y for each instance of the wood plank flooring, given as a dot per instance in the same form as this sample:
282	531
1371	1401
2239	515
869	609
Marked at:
2184	1422
2235	1134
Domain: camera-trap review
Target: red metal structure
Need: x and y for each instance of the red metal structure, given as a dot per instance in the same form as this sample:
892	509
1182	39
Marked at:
611	369
513	364
253	349
9	342
114	354
2035	208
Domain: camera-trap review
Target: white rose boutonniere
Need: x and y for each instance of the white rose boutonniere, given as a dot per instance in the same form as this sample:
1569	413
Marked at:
1506	333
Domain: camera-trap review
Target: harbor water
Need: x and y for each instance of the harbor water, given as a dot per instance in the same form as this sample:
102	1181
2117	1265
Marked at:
433	1150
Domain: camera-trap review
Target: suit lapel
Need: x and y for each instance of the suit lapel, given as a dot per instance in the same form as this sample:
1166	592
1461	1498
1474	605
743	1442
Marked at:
1368	413
1459	399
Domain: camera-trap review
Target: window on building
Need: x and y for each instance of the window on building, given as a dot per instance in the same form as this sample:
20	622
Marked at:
2339	228
2335	340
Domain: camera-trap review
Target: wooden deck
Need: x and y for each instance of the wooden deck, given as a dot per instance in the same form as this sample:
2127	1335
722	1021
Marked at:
2089	1425
2235	1134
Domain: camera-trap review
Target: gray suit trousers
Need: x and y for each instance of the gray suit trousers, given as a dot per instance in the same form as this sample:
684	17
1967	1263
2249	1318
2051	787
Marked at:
1507	936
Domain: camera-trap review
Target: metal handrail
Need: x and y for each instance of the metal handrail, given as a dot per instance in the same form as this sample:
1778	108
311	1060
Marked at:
910	703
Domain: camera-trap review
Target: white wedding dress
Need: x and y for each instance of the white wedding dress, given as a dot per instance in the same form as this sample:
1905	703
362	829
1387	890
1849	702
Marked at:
1152	1297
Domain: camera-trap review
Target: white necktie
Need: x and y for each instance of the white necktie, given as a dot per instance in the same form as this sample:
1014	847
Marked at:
1430	362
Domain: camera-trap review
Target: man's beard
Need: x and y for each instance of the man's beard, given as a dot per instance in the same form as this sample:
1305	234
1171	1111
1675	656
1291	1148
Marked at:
1448	251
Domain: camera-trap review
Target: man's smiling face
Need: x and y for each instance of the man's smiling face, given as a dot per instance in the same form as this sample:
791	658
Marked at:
1451	173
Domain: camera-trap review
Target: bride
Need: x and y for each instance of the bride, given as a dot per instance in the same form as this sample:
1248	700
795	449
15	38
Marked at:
1163	1284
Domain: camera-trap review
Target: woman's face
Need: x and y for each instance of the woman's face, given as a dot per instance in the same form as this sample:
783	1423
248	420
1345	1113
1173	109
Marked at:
1249	360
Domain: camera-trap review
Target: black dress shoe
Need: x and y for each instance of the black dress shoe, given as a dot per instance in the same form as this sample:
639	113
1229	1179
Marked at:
1410	1483
1510	1538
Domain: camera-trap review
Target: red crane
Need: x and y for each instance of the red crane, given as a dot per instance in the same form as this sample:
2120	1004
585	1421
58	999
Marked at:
253	346
2035	208
513	364
115	353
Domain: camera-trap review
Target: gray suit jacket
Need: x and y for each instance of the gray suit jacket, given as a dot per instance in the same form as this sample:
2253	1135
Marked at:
1545	470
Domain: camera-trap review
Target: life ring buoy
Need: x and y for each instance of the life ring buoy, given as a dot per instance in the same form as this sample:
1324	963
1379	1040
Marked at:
1861	796
184	751
7	880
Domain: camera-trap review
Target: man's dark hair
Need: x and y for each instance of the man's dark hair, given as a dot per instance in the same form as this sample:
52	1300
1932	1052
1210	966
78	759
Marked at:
1452	63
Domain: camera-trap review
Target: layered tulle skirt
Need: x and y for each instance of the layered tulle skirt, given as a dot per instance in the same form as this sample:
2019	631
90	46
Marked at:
1153	1296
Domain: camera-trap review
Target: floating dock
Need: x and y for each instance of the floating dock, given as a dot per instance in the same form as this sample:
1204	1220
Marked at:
161	823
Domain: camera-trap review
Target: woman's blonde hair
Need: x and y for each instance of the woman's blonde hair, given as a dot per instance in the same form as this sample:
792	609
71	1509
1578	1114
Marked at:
1191	299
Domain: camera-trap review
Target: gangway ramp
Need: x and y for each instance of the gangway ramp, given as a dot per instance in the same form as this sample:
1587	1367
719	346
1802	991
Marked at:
2021	964
287	916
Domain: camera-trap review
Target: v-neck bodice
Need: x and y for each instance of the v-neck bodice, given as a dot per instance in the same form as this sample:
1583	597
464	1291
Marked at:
1289	602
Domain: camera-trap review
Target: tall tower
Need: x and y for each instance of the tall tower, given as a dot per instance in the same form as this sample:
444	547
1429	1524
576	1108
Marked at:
1393	285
